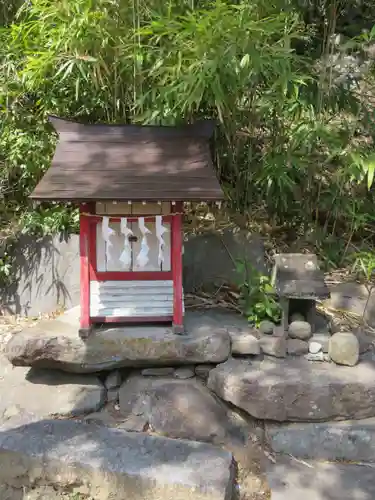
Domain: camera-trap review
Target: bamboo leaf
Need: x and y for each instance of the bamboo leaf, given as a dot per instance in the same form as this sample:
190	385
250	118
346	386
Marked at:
370	173
245	61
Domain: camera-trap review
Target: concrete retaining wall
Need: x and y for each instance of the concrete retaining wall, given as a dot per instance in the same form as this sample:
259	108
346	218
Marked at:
46	271
45	276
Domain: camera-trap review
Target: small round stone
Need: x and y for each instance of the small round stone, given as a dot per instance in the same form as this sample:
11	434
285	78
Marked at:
344	348
315	347
297	317
266	327
300	330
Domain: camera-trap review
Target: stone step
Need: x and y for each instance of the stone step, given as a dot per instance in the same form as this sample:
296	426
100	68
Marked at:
297	390
111	463
349	440
291	480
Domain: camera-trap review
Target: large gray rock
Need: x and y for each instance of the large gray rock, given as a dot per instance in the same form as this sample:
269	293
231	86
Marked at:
365	338
108	463
56	344
290	479
343	348
296	390
364	335
350	440
355	298
34	394
183	409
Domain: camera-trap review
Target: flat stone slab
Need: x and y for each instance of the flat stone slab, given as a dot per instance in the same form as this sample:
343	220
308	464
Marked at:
179	409
111	463
34	394
290	480
350	440
295	389
56	344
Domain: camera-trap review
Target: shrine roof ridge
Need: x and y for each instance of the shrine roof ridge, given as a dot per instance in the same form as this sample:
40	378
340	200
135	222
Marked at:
97	162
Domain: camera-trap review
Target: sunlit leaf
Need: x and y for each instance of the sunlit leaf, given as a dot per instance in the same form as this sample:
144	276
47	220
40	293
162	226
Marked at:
245	61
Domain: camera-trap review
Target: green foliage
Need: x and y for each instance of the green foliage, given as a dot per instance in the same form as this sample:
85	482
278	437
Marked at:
295	136
364	265
257	295
5	267
77	496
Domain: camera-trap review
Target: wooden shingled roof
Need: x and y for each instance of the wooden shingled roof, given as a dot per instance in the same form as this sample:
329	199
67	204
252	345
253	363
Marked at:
130	162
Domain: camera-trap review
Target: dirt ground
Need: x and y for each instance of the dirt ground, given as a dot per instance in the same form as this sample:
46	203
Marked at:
39	493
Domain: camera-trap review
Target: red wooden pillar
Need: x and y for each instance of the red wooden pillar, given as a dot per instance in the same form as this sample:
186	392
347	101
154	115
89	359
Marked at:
176	242
84	238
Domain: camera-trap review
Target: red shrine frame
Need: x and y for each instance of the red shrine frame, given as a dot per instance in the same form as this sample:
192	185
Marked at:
88	268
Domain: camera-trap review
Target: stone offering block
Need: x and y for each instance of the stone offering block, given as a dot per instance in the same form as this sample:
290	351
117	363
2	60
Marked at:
298	283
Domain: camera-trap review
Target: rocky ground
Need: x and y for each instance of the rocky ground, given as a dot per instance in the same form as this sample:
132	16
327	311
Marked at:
160	401
224	384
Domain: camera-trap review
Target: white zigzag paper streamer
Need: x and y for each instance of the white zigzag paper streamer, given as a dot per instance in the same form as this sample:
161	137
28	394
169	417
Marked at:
160	230
107	233
126	255
142	257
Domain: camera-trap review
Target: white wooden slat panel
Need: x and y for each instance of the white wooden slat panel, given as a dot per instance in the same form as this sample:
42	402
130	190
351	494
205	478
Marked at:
155	294
131	312
140	300
135	295
101	285
126	311
130	298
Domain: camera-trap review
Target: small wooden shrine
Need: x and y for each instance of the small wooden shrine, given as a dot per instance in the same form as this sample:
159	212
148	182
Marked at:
130	183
